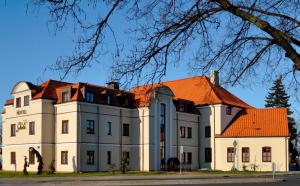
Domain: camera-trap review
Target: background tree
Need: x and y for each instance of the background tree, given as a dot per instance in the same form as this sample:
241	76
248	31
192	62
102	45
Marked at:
278	98
241	38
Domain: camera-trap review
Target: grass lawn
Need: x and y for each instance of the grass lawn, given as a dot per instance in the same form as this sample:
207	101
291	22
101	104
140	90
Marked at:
9	174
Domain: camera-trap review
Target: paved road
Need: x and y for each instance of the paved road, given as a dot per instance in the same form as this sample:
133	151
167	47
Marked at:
291	180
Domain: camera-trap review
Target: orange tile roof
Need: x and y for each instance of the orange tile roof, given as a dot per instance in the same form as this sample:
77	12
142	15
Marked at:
198	89
9	102
258	123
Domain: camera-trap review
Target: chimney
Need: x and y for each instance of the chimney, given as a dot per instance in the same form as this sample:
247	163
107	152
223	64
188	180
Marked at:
214	77
113	85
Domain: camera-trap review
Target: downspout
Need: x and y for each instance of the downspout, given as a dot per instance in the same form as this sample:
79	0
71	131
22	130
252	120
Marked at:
79	139
214	138
98	139
143	142
55	137
199	142
286	155
121	137
177	135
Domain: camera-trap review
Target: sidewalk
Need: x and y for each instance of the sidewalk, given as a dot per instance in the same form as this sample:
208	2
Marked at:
185	178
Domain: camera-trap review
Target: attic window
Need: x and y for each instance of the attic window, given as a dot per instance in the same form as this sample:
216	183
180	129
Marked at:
18	102
228	110
89	97
65	96
109	99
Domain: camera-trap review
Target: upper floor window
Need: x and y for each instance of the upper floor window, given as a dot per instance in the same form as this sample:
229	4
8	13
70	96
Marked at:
26	100
90	157
18	102
266	154
65	127
31	128
90	126
245	154
207	131
162	113
230	154
65	96
12	157
125	129
189	132
109	128
89	97
207	155
64	157
228	110
13	130
182	132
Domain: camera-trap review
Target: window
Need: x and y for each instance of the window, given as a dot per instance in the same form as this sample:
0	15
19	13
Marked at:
109	128
18	102
189	158
182	132
90	126
266	154
90	157
89	97
162	113
108	157
65	127
189	132
65	96
230	154
13	130
64	157
125	129
108	99
207	131
245	154
126	155
12	157
228	110
208	155
31	128
26	100
31	157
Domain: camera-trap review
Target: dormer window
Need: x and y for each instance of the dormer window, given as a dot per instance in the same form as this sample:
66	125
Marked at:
18	102
89	97
228	110
26	100
65	96
108	99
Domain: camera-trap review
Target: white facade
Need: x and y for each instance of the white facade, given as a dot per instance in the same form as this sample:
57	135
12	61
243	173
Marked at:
107	142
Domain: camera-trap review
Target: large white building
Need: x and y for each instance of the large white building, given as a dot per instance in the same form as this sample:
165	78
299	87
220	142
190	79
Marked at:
84	127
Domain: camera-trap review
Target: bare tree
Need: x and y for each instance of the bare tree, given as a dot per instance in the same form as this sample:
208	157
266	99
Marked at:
237	37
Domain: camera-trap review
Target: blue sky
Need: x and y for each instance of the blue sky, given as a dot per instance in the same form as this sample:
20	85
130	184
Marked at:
28	45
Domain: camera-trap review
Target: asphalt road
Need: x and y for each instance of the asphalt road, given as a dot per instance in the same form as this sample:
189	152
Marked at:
155	180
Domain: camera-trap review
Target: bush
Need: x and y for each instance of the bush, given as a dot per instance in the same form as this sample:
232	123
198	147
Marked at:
173	164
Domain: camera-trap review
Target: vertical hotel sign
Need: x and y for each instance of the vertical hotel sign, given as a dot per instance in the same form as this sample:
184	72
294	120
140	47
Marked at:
22	124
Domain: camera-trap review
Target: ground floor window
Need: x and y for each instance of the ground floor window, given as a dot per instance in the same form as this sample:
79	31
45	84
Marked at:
90	157
245	154
208	155
108	157
64	157
230	154
12	157
31	157
266	154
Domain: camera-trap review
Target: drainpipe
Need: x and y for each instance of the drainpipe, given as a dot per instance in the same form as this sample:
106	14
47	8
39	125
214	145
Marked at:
98	139
177	134
121	137
143	142
214	137
199	142
79	138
